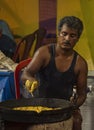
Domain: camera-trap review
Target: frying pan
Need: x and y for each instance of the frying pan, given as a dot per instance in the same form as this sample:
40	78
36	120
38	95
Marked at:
8	114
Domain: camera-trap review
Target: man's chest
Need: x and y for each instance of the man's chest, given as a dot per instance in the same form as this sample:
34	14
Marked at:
63	64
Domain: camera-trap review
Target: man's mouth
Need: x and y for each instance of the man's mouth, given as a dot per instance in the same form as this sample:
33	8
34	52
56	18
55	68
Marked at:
67	43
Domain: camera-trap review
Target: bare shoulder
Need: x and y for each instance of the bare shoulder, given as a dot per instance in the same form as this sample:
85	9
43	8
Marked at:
43	51
44	48
41	56
81	64
82	61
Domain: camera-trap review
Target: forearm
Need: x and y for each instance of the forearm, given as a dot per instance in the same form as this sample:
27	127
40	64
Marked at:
79	100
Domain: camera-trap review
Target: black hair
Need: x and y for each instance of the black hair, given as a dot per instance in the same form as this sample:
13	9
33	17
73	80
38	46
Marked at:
72	22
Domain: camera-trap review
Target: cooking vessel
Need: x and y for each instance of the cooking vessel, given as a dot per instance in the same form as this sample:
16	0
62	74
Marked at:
8	114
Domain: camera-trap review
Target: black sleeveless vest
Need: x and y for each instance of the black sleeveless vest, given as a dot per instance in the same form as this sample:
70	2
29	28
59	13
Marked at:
55	84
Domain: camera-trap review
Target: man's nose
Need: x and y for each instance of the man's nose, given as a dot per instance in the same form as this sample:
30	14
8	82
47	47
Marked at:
67	38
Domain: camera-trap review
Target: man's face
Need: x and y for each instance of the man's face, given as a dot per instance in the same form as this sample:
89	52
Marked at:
67	37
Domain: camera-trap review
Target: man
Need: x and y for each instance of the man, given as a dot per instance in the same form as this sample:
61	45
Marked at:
60	67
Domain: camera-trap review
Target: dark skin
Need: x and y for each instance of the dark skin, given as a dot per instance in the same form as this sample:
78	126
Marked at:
64	52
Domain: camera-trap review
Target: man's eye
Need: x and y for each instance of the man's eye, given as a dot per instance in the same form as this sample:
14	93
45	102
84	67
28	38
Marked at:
73	35
63	34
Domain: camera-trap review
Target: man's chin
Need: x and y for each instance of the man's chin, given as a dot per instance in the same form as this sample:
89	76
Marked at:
66	48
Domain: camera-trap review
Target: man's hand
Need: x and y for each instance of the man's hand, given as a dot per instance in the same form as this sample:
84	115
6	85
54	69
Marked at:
31	85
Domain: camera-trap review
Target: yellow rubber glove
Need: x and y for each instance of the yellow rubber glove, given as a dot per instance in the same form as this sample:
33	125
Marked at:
31	85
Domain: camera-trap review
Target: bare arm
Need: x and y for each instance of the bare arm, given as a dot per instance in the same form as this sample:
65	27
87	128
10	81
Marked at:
39	60
81	81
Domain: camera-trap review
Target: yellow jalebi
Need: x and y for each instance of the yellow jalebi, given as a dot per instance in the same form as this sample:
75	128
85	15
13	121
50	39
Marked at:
31	85
37	109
